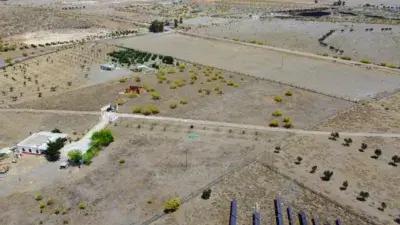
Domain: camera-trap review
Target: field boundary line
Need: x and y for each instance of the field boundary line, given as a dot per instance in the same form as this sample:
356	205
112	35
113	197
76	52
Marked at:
244	74
293	52
207	122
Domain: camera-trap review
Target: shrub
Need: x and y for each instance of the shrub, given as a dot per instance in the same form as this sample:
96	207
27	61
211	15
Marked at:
286	119
230	83
173	86
182	67
277	113
148	110
365	61
137	79
50	202
327	175
123	80
274	123
288	93
120	102
57	211
382	64
155	96
173	105
56	130
122	161
260	43
206	194
344	185
75	156
236	85
171	70
137	109
288	124
38	197
325	54
82	205
278	98
42	205
346	57
149	202
172	205
132	94
363	196
391	66
183	101
102	138
235	39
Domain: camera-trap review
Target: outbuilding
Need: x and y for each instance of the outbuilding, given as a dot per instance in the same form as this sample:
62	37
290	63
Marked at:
108	67
37	143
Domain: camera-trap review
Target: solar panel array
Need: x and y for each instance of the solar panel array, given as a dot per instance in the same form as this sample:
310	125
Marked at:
279	215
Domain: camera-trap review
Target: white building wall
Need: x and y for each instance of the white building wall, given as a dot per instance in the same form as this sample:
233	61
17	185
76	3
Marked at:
29	149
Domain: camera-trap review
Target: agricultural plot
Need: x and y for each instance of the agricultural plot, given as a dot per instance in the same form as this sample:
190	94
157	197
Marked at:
151	174
198	92
35	77
379	116
369	168
12	132
376	46
319	75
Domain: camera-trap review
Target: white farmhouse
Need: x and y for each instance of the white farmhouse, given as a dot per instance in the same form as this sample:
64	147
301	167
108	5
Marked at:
37	143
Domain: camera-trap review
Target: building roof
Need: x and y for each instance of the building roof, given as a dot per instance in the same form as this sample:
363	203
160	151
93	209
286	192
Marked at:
39	140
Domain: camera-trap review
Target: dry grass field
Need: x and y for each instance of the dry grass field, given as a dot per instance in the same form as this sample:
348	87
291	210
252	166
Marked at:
16	126
213	96
376	46
378	116
52	73
319	75
155	170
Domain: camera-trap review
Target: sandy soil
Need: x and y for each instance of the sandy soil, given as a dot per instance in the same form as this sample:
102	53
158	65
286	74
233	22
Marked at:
319	75
155	170
17	126
37	75
376	46
232	106
379	116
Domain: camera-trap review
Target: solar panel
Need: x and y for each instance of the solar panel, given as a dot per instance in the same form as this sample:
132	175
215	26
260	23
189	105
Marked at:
256	218
338	222
278	211
303	218
290	215
315	221
233	213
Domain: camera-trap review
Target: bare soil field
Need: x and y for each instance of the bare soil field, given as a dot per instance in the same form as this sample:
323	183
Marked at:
363	173
252	102
56	72
319	75
377	116
376	46
17	126
155	170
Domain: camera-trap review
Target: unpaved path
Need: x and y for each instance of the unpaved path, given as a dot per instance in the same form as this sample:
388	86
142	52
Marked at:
205	122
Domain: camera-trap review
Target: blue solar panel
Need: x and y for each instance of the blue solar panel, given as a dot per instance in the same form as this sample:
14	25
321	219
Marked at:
303	218
290	215
256	218
278	211
233	216
315	221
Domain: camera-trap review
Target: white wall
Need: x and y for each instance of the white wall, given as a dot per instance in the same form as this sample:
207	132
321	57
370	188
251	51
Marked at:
33	149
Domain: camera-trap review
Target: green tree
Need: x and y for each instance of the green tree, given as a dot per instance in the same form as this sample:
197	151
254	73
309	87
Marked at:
52	152
175	23
102	138
56	130
75	156
156	26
